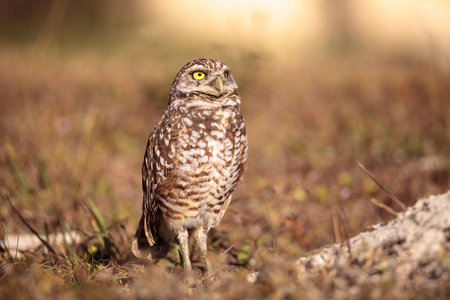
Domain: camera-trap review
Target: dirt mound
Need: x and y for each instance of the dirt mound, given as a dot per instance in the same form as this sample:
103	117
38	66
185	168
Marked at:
410	255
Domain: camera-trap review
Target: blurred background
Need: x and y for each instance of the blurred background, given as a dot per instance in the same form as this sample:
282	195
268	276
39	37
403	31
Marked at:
324	84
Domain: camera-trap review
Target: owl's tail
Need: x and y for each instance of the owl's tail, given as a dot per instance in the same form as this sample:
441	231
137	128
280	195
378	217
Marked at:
141	247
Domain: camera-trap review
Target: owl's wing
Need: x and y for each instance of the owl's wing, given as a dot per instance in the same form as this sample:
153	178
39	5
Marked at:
155	171
222	211
144	237
243	153
241	160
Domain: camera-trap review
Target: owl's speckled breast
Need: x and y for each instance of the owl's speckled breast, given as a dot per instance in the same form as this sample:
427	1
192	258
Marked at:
205	170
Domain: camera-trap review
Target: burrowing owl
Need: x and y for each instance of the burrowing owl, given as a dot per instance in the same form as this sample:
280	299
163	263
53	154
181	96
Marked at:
194	158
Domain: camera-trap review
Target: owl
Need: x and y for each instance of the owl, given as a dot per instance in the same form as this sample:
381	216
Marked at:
195	156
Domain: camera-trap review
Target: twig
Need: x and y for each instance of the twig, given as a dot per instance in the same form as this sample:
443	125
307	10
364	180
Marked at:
5	247
383	206
337	233
227	250
44	242
347	238
392	196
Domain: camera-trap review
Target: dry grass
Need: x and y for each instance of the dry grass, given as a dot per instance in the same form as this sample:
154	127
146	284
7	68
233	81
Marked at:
73	128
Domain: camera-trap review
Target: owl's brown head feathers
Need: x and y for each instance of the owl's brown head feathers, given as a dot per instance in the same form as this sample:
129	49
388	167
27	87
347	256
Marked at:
209	79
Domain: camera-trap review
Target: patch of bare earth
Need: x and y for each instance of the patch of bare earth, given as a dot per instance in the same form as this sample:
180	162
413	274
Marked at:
408	256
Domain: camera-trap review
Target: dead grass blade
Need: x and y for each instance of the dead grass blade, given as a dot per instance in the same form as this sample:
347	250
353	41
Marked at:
337	232
5	247
346	235
100	224
99	220
226	250
383	206
392	196
11	162
44	242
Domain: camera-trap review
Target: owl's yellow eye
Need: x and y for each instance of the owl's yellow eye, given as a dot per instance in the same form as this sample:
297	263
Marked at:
198	75
226	74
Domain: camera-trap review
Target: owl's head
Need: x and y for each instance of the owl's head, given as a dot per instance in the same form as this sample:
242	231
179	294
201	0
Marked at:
210	79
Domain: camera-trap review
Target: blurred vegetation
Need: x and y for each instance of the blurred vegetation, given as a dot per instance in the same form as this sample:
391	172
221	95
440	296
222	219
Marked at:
81	87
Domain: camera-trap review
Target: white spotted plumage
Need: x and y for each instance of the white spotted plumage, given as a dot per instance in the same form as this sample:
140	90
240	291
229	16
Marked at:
195	157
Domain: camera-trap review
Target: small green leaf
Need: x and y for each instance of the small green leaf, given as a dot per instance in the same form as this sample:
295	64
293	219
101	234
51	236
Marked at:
244	253
11	161
92	249
345	179
262	239
299	194
98	217
44	178
321	194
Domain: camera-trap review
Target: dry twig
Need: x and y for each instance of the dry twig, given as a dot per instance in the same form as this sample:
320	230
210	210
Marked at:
44	242
392	196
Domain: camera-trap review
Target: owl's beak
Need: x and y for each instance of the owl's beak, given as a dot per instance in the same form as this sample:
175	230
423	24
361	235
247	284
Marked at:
219	85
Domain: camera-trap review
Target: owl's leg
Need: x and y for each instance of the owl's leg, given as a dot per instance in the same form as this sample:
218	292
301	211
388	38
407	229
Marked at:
183	239
201	238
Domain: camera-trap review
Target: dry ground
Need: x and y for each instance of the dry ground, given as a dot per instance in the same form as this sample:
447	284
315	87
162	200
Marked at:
73	133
